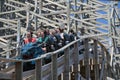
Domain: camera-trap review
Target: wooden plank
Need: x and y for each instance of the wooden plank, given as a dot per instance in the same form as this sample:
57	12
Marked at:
8	70
101	3
66	75
55	13
51	21
102	72
18	2
40	6
87	5
68	16
21	9
28	74
18	70
86	59
7	21
95	61
38	69
2	28
87	23
54	67
8	36
16	7
76	60
47	23
62	6
86	11
5	76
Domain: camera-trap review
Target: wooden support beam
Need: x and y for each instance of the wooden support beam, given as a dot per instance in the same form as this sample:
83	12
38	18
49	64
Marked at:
18	2
103	70
18	70
27	16
66	75
68	15
13	6
21	9
86	59
3	28
87	23
7	21
93	18
99	2
40	6
55	12
76	60
8	36
87	5
62	6
54	67
86	11
38	69
51	21
95	61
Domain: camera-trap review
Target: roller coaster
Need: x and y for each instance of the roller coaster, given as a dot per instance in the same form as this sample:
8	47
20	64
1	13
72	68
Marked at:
101	23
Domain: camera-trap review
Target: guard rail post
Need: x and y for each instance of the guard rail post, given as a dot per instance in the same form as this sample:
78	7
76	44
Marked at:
54	67
38	69
66	75
18	70
76	60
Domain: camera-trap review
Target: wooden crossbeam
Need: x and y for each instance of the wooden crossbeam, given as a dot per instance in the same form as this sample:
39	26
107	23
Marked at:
88	23
87	11
21	9
16	7
62	6
98	2
17	2
2	28
55	12
8	20
8	36
44	18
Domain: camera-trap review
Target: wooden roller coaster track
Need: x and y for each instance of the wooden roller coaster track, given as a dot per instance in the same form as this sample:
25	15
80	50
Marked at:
17	16
62	65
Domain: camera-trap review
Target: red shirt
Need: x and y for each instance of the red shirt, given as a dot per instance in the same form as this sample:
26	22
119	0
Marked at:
26	41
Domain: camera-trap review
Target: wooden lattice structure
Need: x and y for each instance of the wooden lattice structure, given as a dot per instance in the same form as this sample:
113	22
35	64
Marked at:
18	16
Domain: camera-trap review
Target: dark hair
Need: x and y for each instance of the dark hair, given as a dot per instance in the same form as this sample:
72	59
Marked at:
31	33
61	30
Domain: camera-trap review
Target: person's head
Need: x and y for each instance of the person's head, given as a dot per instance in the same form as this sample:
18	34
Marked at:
61	29
46	31
40	33
82	31
71	31
29	35
52	32
57	30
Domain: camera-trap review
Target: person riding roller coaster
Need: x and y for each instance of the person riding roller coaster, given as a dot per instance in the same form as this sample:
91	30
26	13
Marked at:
29	38
30	50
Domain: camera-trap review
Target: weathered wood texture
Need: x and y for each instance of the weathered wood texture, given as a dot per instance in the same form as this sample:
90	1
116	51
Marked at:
52	70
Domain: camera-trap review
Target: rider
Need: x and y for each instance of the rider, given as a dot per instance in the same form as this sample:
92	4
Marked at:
29	38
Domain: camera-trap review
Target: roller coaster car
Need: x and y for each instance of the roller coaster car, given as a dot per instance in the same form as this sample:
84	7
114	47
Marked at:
31	50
